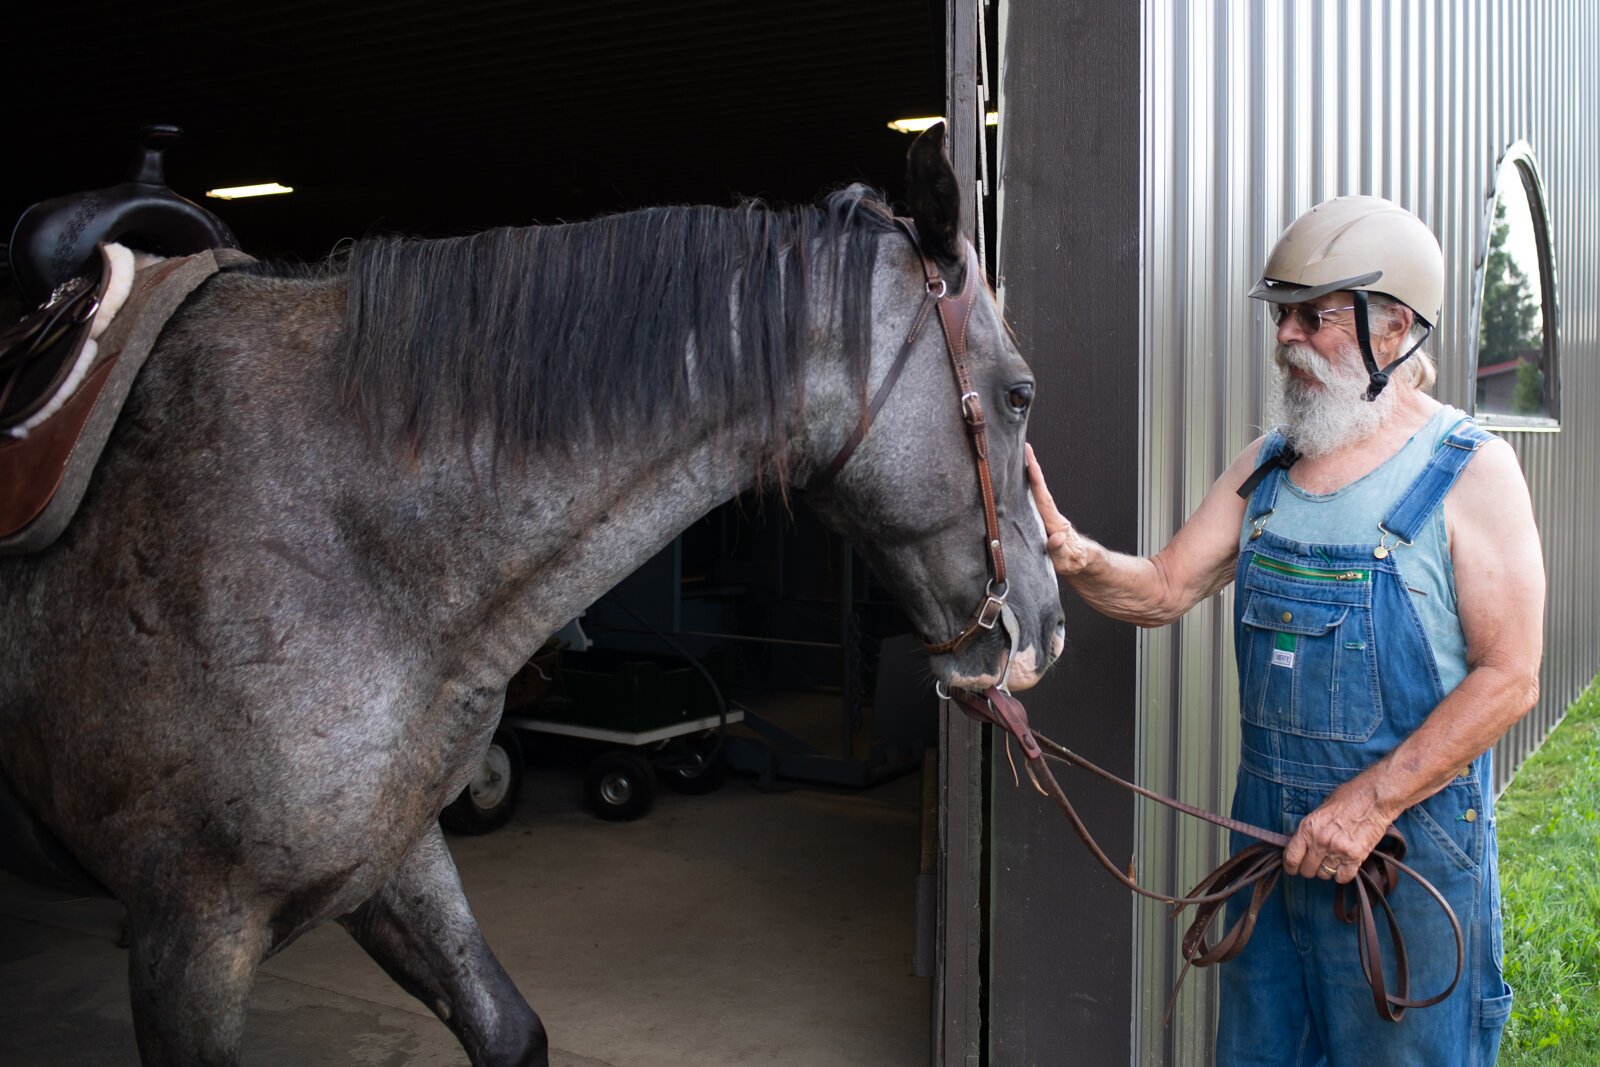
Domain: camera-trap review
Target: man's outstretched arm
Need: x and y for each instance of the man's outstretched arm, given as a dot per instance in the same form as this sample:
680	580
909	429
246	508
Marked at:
1152	590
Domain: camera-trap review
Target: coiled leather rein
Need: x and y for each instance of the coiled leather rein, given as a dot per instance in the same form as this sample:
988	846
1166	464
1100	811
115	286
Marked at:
1256	867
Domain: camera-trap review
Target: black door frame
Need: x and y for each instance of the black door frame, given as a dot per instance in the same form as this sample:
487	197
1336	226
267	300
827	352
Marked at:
1036	944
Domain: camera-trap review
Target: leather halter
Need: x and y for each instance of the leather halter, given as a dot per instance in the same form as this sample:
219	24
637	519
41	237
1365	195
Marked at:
1256	867
955	313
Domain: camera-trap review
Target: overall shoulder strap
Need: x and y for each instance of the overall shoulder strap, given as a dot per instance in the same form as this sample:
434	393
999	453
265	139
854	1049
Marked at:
1424	495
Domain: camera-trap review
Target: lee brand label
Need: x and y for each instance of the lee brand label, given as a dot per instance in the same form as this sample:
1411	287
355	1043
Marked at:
1283	646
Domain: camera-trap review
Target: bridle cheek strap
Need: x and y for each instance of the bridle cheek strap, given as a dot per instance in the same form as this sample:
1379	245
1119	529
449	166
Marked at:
955	315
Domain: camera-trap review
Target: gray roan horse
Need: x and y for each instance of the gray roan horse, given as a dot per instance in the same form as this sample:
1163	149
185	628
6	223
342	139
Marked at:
343	507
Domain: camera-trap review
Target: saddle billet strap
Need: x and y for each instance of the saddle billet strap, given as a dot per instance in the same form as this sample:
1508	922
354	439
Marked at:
1258	866
45	325
39	353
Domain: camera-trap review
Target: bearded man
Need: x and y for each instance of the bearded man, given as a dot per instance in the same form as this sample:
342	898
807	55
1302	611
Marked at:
1389	603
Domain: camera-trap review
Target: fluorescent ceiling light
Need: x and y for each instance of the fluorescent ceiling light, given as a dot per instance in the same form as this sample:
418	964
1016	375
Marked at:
239	192
919	124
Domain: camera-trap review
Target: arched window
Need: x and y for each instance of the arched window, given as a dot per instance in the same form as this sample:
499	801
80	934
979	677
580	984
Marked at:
1516	372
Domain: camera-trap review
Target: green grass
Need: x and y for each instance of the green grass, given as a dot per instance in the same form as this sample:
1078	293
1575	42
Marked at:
1549	819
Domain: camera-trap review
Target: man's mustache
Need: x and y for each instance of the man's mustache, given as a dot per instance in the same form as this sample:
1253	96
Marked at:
1300	357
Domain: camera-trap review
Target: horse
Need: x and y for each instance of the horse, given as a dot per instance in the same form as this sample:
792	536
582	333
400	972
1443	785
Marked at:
344	504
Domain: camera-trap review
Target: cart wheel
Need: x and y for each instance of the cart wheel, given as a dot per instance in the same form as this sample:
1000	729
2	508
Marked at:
696	768
620	785
490	798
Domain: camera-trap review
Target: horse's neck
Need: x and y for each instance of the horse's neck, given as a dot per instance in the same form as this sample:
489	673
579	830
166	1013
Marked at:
513	550
512	556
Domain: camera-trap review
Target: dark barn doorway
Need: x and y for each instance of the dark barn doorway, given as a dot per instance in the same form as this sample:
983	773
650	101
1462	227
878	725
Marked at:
436	120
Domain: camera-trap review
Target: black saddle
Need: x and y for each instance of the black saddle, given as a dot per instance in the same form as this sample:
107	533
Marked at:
55	240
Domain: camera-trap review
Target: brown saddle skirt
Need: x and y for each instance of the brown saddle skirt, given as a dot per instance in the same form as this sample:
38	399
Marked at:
45	465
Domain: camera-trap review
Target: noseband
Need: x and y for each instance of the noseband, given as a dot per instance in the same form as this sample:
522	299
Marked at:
955	312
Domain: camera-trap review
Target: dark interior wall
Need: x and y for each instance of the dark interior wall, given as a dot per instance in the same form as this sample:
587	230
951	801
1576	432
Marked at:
1060	938
438	119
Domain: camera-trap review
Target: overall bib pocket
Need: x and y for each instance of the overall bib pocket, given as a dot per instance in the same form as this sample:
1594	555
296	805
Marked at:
1308	661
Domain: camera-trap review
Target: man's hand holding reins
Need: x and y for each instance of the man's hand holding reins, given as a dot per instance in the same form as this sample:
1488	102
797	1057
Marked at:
1336	838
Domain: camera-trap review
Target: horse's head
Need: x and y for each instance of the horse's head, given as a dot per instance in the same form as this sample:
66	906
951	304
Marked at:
948	413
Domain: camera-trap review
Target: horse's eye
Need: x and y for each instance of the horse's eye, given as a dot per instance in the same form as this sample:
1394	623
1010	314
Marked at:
1019	396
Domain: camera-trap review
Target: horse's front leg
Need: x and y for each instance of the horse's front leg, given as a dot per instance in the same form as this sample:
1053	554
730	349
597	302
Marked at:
419	928
190	970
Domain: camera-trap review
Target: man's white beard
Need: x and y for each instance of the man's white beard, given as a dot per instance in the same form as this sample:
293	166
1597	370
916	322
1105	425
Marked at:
1323	416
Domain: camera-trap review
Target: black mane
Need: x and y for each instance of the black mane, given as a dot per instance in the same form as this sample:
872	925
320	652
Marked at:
557	335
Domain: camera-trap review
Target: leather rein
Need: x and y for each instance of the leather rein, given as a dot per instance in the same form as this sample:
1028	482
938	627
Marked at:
1257	867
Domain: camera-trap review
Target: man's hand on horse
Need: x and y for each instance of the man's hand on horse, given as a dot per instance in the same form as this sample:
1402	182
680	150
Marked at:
1335	839
1069	550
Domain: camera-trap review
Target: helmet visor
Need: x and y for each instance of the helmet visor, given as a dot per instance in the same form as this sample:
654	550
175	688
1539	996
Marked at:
1279	292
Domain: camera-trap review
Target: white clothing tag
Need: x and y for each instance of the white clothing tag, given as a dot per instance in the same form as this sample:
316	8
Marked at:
1280	658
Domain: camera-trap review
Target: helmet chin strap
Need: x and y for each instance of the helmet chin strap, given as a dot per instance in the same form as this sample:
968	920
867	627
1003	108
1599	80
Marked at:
1377	379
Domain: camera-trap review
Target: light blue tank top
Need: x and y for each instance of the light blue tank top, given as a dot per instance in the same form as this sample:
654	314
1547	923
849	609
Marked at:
1350	516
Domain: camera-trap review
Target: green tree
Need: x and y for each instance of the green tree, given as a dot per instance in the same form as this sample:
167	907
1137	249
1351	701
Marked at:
1528	398
1510	319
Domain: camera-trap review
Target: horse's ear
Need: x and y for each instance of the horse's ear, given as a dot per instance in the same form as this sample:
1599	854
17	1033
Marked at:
934	196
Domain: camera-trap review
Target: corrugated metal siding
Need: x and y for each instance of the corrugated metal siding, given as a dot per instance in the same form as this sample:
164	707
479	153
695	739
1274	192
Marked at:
1252	112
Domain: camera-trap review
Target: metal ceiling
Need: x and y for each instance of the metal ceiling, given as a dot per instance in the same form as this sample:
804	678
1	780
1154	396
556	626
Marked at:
429	117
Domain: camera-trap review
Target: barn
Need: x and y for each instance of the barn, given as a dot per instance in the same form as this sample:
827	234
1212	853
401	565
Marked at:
874	888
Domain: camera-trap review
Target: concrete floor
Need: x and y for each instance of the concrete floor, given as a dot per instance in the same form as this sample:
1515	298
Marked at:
741	928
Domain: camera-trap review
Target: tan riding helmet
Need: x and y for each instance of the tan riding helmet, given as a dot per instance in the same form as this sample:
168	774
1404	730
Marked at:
1360	243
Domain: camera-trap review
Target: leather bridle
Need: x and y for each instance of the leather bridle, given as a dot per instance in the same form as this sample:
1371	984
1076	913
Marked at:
955	313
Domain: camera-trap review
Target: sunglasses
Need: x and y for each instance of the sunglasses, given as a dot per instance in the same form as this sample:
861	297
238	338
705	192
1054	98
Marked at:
1308	315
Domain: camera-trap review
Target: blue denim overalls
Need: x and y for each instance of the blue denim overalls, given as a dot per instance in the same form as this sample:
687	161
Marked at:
1335	670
